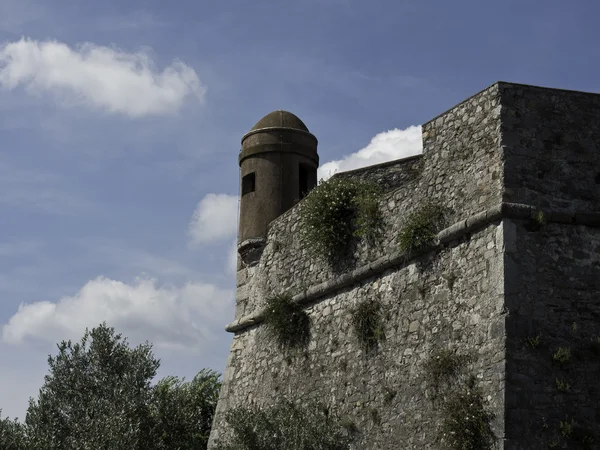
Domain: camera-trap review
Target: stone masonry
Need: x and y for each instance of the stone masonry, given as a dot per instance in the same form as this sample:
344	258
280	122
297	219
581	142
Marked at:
518	168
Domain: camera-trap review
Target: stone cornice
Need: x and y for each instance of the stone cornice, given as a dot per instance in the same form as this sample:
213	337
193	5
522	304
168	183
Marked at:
453	232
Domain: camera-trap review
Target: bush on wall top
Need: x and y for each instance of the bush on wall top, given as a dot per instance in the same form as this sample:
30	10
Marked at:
337	211
421	227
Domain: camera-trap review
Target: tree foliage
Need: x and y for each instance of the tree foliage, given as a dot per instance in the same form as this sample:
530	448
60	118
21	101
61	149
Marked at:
183	411
12	434
98	395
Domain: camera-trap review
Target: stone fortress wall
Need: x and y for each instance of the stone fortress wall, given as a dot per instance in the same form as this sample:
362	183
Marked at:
495	160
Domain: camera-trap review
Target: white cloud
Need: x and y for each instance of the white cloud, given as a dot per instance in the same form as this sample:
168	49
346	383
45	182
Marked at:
215	218
186	318
99	77
384	147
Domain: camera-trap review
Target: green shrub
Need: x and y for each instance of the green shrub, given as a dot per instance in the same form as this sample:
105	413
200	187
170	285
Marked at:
287	322
337	211
562	385
369	221
421	227
466	424
285	426
367	323
562	356
534	341
537	222
444	364
566	427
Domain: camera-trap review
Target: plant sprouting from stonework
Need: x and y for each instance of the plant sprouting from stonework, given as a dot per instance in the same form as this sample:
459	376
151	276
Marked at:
336	212
534	341
450	278
562	385
536	222
369	221
466	422
566	427
444	364
367	321
287	322
562	356
421	227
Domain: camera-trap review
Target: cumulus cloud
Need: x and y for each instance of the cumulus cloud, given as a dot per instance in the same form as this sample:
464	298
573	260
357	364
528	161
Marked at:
185	318
99	77
214	219
384	147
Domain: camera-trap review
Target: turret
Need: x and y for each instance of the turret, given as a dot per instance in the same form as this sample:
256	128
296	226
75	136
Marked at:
278	163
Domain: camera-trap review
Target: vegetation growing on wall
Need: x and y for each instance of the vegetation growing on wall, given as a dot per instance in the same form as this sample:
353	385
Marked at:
450	278
421	227
285	426
537	222
287	322
466	424
367	322
534	341
562	356
443	365
336	212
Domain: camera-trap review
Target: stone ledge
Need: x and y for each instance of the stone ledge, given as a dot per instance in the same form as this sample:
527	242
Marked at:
453	232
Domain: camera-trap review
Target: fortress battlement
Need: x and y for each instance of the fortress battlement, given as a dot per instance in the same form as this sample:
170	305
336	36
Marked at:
518	169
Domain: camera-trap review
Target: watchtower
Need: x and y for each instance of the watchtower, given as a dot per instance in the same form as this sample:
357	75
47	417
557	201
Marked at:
278	163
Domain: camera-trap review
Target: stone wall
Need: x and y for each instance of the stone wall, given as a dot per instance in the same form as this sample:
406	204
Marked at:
422	314
464	157
516	277
460	168
552	147
553	301
552	150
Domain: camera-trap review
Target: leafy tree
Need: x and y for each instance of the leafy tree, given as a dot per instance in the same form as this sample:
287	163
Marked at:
183	411
12	434
98	395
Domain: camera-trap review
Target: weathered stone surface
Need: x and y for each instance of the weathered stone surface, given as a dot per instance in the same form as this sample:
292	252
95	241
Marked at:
494	160
338	371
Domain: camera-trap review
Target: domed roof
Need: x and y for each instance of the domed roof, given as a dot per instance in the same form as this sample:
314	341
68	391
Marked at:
280	119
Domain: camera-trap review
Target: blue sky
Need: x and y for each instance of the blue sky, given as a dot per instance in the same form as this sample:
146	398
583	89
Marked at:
120	126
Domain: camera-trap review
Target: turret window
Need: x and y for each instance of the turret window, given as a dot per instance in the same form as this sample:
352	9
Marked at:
248	183
303	181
